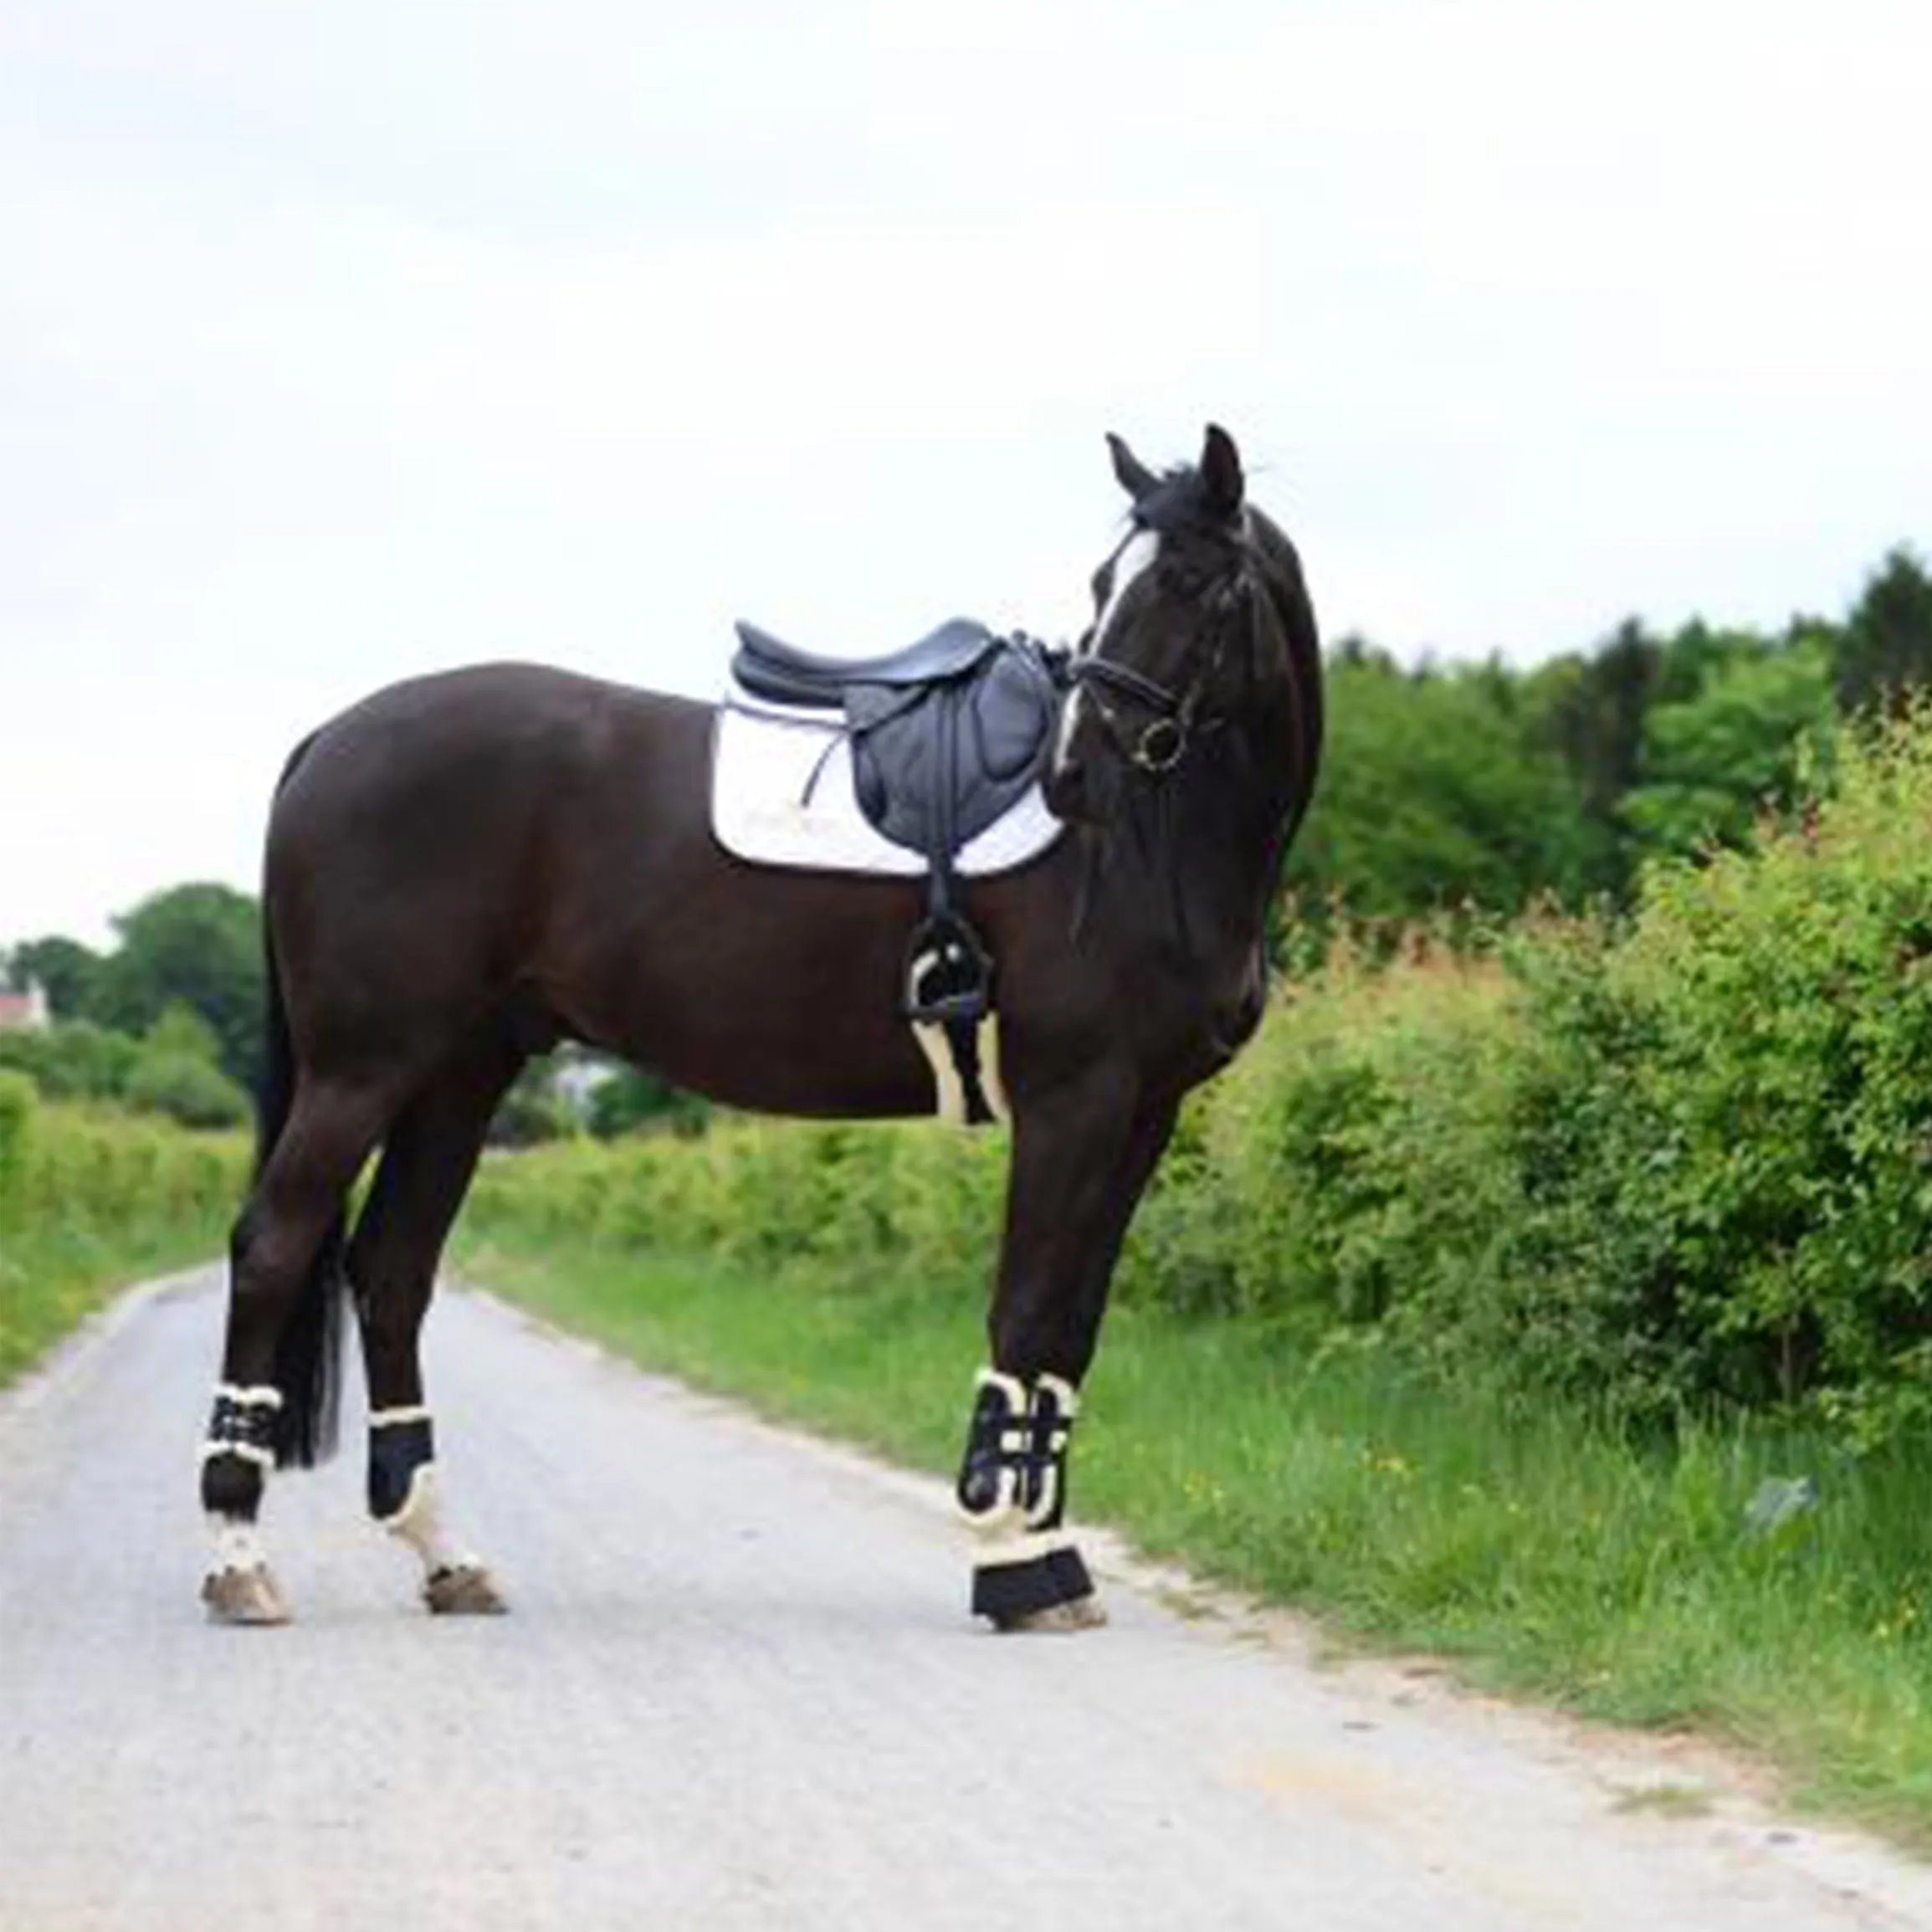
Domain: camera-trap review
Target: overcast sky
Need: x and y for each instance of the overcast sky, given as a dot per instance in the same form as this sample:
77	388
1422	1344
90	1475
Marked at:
343	342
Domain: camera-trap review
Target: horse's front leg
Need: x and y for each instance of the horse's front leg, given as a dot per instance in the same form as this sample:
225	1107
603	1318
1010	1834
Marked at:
1082	1155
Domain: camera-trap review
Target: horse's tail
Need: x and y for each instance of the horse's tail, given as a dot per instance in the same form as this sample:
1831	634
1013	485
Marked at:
309	1356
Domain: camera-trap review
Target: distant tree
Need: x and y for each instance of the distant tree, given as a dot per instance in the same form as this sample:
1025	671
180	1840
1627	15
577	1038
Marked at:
533	1109
65	969
1590	711
1885	649
1432	794
631	1101
1741	743
198	945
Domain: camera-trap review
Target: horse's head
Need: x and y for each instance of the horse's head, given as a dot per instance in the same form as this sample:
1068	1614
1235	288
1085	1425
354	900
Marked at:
1187	633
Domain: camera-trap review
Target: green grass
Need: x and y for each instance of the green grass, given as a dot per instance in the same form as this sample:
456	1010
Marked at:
1547	1555
91	1200
53	1278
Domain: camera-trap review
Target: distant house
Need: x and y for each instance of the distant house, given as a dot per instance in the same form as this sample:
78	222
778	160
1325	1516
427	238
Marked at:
22	1013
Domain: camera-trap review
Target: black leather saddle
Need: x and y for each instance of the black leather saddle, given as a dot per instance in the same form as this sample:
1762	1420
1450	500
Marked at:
946	735
787	676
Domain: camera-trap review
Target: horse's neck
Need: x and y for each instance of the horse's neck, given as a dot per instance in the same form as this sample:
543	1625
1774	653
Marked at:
1241	822
1218	856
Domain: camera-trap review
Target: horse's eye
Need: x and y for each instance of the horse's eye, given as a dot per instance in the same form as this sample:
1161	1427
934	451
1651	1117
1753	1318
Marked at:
1102	581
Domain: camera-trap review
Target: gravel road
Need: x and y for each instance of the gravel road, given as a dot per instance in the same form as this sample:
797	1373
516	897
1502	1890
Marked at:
739	1688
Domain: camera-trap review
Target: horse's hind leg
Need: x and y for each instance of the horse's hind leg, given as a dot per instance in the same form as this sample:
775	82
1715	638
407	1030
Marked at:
426	1169
276	1398
1081	1157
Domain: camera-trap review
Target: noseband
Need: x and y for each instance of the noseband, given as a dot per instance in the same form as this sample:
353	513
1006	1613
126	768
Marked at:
1165	739
1163	742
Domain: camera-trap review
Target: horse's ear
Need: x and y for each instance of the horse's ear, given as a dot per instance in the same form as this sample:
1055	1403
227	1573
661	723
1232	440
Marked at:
1222	482
1137	479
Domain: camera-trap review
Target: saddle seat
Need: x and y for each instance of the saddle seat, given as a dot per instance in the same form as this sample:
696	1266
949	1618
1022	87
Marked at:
783	674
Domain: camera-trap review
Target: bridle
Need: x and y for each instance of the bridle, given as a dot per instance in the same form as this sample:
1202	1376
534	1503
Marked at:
1180	721
1177	721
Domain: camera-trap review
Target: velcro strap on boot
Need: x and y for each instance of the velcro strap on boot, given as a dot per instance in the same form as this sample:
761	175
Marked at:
243	1425
1013	1473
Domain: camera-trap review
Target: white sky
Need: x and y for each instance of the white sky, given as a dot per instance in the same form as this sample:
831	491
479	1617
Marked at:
340	342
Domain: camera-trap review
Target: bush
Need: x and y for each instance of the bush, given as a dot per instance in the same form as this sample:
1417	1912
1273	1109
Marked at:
190	1091
15	1123
73	1061
87	1200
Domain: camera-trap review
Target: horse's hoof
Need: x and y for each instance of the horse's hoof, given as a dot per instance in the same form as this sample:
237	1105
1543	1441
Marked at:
251	1596
463	1590
1082	1613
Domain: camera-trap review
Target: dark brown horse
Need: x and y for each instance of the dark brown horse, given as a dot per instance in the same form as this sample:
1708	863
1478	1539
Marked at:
463	869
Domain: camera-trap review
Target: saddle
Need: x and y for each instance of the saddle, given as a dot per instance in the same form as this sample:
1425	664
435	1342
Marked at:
946	735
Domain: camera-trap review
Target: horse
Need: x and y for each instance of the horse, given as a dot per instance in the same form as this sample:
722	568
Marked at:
465	869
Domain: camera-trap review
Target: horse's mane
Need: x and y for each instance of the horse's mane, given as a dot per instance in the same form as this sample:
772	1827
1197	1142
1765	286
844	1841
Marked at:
1276	565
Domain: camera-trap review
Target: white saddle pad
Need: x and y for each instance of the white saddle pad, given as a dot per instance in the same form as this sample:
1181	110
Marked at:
768	806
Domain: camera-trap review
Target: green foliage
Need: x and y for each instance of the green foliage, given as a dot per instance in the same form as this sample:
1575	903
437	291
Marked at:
1433	794
89	1200
73	1060
1590	711
533	1111
1758	726
1885	651
173	1070
631	1101
201	946
16	1120
181	1032
187	1088
65	970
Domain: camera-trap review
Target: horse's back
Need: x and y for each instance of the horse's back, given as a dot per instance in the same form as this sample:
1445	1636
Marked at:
450	753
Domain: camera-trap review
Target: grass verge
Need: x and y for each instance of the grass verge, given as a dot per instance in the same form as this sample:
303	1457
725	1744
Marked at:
52	1279
90	1201
1545	1555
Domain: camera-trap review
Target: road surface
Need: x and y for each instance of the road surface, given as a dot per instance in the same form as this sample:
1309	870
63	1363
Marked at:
739	1689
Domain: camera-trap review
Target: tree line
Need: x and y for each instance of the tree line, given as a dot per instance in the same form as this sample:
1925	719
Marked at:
1489	786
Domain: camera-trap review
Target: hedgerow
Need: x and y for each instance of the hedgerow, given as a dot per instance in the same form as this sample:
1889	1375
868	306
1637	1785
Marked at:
89	1198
